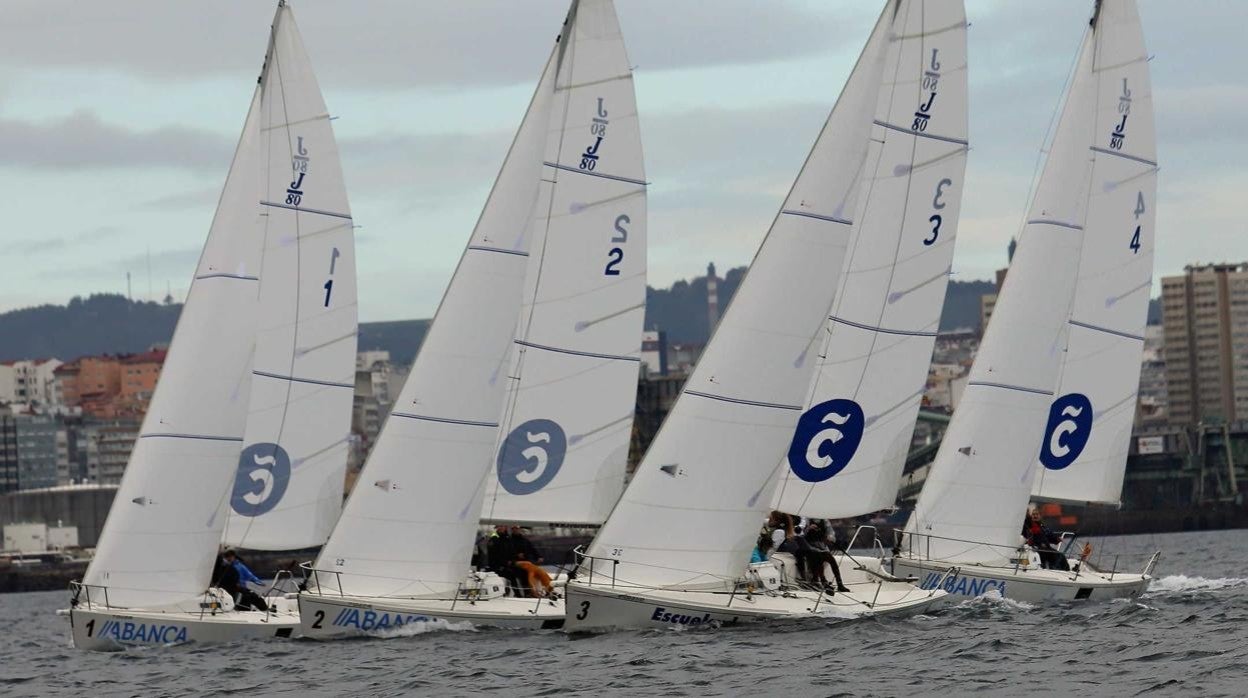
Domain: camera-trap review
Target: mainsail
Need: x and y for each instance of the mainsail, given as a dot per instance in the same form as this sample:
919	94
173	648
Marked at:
157	546
408	526
568	413
1083	453
851	443
287	492
973	502
694	507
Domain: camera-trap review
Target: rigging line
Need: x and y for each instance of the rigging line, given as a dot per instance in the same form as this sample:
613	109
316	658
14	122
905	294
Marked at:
566	50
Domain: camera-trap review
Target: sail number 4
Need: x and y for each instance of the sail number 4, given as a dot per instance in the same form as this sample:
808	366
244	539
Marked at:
1139	211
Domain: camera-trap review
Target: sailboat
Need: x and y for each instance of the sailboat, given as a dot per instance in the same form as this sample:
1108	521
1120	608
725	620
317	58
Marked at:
851	443
278	261
1053	386
540	332
674	550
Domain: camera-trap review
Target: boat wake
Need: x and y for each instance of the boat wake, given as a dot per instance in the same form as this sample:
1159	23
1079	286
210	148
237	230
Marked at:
1176	583
993	599
423	627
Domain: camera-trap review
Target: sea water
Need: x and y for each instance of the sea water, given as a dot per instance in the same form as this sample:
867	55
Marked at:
1187	636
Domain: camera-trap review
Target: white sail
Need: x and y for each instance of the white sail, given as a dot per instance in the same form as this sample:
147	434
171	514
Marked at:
393	538
288	489
162	532
568	414
693	509
850	445
1083	453
973	502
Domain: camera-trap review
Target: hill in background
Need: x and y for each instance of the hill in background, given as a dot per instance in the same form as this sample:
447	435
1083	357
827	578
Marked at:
108	323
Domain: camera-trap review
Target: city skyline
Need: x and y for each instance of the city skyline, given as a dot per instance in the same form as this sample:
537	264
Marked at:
116	128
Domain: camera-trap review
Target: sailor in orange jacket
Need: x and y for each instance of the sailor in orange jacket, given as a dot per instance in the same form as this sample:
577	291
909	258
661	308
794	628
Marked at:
537	578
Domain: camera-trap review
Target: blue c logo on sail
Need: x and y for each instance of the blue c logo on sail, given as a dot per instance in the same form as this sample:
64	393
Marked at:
261	480
826	439
531	456
1070	425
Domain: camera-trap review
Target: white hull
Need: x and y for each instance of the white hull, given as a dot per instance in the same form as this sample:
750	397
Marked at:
98	628
1029	584
326	617
599	607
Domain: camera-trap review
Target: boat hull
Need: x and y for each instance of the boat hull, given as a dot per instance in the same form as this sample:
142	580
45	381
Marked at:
329	617
101	629
1029	585
593	607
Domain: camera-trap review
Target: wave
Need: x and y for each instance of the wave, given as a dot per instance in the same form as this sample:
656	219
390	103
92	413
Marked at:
425	626
1182	582
993	599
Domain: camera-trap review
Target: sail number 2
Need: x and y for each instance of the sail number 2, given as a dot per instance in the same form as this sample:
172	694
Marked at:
615	255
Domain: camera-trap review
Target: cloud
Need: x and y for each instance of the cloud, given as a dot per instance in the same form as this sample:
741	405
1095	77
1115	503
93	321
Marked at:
46	244
400	42
166	264
83	140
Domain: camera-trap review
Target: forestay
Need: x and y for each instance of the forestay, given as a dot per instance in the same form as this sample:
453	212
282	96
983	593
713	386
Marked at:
157	546
693	510
408	527
1083	453
288	489
976	493
850	445
568	413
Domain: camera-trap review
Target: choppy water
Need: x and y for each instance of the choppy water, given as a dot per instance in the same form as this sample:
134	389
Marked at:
1188	635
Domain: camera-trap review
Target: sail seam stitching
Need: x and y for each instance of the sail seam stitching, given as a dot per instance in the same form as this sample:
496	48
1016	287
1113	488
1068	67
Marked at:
1106	330
920	134
311	381
617	178
817	216
593	355
1008	386
444	420
753	403
1125	156
317	211
882	330
500	250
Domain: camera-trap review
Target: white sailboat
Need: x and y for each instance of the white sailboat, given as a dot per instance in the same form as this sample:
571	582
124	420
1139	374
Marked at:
149	580
288	489
674	550
847	454
1069	321
574	173
568	414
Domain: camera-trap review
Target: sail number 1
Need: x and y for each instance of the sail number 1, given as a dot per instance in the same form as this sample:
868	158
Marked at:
329	284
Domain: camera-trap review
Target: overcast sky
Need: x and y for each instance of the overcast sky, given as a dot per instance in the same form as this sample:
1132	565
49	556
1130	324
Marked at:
118	119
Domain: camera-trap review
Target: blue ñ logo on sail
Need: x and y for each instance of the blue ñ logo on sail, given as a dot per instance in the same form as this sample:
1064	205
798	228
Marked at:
1065	436
531	456
826	439
261	481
